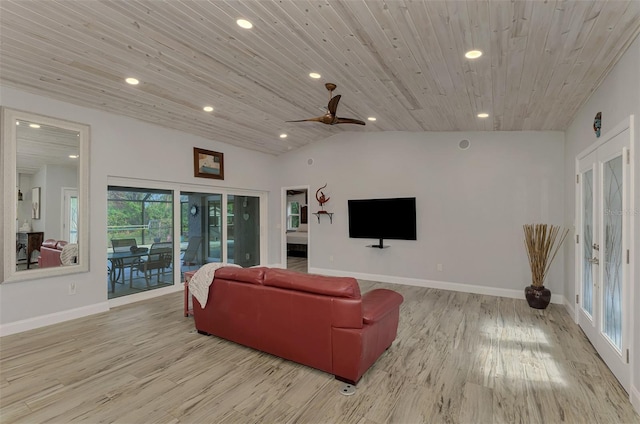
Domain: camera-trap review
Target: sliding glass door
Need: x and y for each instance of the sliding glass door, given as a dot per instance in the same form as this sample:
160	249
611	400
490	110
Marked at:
139	240
206	239
243	230
155	234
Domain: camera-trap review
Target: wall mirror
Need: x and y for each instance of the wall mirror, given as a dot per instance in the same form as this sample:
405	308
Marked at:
45	180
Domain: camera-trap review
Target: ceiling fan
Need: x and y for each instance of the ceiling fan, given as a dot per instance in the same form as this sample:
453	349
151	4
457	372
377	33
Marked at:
330	118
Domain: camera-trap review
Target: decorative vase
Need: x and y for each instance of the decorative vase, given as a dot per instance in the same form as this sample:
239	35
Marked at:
537	297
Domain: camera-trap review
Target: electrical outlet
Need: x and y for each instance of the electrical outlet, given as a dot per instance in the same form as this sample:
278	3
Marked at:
439	267
72	289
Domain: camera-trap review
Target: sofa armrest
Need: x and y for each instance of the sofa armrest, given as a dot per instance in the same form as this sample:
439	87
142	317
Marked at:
378	303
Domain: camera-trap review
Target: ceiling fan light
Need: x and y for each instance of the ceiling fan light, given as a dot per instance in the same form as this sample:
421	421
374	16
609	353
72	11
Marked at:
315	75
132	81
473	54
243	23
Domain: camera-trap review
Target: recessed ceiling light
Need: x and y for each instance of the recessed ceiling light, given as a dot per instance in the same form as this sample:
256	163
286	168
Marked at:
371	118
483	115
74	156
132	81
243	23
208	109
34	125
473	54
315	75
283	135
17	122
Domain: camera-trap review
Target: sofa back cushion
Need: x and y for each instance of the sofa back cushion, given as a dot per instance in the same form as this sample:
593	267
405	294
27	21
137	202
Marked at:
50	243
345	287
244	275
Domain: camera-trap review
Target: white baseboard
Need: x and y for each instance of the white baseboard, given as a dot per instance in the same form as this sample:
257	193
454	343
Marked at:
149	294
432	284
635	398
50	319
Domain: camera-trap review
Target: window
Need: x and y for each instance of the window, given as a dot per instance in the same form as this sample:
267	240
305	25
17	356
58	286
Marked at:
70	221
293	215
139	239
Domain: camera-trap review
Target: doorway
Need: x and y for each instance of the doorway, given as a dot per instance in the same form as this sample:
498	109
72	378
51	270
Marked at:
70	214
603	227
296	230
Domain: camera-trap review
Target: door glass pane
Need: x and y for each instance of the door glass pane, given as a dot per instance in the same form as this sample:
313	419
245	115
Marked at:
243	230
139	240
198	224
587	231
73	219
215	248
612	250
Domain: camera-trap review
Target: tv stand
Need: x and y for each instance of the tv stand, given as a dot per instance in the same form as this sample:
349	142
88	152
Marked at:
378	246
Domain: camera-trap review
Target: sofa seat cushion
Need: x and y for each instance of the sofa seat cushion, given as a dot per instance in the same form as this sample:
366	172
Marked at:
245	275
345	287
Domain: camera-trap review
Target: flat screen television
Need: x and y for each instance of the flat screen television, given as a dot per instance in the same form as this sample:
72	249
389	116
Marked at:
383	219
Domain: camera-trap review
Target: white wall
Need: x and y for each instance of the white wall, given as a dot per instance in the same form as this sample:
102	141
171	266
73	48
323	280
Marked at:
617	98
122	147
471	204
24	207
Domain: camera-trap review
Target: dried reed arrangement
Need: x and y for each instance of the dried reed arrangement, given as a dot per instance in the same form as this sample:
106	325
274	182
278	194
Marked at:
542	242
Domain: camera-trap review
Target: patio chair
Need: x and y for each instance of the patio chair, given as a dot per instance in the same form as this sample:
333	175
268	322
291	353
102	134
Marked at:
190	256
124	246
159	258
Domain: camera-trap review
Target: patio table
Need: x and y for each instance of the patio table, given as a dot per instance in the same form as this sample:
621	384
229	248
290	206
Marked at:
117	260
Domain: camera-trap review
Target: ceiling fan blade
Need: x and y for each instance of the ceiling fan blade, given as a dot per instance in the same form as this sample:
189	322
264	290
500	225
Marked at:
350	121
333	104
316	119
330	117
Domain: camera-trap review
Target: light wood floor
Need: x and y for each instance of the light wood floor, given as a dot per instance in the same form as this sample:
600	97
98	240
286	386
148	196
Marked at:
458	358
295	263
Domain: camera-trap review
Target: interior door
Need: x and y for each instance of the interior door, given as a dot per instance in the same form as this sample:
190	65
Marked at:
603	241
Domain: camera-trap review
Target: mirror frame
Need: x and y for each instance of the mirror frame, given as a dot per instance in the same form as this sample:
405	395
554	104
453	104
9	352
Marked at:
9	181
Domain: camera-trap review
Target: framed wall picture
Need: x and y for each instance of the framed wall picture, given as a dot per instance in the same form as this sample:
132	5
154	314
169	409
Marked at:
35	203
208	164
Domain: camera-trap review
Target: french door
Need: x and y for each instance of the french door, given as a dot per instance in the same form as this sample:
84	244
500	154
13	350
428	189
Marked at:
603	239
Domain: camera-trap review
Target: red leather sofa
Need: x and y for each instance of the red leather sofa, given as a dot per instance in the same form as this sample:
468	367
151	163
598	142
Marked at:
319	321
50	253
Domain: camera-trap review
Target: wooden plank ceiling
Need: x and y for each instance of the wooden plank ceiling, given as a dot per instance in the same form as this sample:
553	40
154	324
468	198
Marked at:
401	61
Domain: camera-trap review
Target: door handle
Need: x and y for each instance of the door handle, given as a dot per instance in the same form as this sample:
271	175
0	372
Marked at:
594	260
